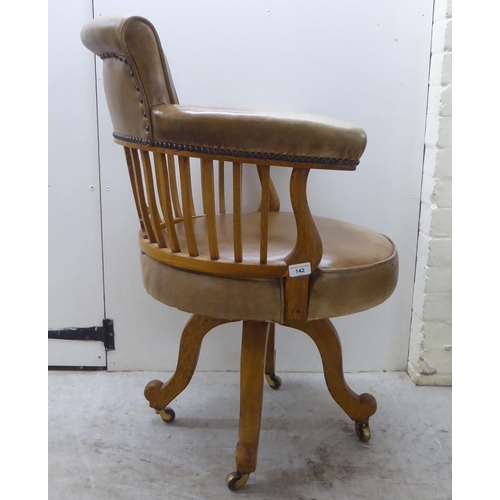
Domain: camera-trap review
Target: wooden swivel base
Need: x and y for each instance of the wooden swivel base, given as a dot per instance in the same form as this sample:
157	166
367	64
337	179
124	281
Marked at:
257	362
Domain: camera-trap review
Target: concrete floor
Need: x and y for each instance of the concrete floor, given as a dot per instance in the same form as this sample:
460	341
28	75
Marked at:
106	443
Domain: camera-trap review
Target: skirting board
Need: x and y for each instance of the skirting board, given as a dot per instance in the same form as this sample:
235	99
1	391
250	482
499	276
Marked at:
76	353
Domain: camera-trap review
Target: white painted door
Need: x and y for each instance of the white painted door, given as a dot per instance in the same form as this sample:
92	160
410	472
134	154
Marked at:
75	254
359	61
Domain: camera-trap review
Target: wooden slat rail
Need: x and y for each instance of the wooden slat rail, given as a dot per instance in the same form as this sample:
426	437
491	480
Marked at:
130	167
172	179
165	200
139	187
208	195
187	204
161	206
222	189
264	211
238	245
151	194
274	200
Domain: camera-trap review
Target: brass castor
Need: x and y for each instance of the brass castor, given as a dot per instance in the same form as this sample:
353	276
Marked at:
236	480
167	415
363	432
274	381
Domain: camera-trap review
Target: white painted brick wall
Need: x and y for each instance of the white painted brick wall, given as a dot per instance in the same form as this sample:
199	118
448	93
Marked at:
429	361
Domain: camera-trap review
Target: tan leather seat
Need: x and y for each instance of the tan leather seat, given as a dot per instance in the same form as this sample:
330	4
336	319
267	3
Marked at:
358	270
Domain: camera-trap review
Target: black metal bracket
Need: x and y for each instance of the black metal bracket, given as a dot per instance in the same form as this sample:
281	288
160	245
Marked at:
104	333
109	334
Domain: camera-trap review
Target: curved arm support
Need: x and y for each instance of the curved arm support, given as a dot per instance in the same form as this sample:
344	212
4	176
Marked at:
308	248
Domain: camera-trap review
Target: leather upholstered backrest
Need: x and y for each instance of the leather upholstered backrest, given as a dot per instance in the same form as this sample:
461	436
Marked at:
135	72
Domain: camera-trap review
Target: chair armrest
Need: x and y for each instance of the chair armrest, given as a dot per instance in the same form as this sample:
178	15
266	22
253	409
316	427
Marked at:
316	141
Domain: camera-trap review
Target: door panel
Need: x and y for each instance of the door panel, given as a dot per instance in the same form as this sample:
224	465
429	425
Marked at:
75	276
75	254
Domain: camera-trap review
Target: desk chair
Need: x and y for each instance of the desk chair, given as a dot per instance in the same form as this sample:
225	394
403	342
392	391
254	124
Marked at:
262	267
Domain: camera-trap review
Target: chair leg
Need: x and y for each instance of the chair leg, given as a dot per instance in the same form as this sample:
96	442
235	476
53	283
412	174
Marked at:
253	354
272	379
358	407
160	394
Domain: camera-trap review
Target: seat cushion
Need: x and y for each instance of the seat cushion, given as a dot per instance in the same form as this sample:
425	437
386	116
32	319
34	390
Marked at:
359	270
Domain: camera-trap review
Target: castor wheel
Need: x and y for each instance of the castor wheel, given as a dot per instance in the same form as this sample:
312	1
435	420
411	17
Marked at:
167	415
236	480
363	432
274	381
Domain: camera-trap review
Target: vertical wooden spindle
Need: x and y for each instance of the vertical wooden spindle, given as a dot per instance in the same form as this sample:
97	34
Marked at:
238	245
130	166
150	191
187	204
139	186
222	188
165	200
264	211
172	179
208	194
274	199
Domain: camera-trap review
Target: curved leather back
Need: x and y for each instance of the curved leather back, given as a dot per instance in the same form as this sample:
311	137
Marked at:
135	72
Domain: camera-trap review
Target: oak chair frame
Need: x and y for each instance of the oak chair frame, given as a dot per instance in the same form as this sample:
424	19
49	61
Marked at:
161	179
161	206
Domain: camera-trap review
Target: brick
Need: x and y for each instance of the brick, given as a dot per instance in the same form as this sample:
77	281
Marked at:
441	9
437	307
438	279
439	252
443	163
430	356
445	134
420	276
430	159
438	131
434	103
448	37
445	101
436	193
418	299
446	73
416	339
441	69
437	335
442	195
432	280
428	187
442	36
439	359
441	225
439	100
425	222
432	130
423	249
434	251
435	222
437	379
